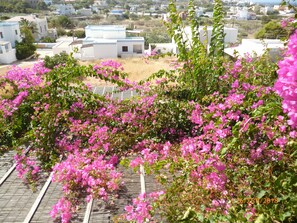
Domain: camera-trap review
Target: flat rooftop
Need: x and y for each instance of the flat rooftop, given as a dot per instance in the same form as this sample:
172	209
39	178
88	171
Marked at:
106	27
102	40
8	24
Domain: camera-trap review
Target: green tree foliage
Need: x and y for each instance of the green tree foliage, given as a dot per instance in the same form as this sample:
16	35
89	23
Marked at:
156	35
199	75
62	58
18	6
61	22
271	30
83	4
47	40
77	33
26	47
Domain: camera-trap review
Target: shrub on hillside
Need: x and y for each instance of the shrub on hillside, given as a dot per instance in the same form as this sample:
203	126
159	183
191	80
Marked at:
58	59
24	50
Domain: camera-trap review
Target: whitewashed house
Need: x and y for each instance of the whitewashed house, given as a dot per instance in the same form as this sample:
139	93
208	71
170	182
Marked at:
10	31
65	9
205	36
7	53
40	23
257	47
85	12
107	41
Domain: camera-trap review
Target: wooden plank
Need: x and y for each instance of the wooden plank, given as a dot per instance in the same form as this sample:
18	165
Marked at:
142	180
38	199
88	212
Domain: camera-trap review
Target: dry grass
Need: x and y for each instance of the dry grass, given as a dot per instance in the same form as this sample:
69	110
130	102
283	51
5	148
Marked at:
137	68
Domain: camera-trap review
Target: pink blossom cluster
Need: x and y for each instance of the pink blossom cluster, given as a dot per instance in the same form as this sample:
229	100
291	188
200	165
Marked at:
26	78
64	208
141	209
286	22
286	85
27	167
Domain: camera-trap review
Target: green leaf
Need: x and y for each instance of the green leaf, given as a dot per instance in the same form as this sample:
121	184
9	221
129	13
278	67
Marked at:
261	194
223	151
285	215
260	219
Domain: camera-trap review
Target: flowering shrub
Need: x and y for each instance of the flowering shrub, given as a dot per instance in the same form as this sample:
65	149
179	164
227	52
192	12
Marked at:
228	155
286	85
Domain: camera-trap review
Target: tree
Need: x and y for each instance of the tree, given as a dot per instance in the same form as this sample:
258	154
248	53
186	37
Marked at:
62	22
26	47
41	5
271	30
28	29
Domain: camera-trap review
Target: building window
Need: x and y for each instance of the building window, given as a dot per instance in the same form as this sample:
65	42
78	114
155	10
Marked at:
125	48
16	32
1	35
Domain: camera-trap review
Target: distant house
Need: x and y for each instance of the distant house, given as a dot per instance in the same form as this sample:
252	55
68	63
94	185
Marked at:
257	47
7	53
85	12
205	35
117	12
10	31
101	3
41	25
110	42
65	9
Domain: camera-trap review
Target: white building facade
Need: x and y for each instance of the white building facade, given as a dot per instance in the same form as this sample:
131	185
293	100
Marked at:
110	42
65	9
10	31
40	23
7	53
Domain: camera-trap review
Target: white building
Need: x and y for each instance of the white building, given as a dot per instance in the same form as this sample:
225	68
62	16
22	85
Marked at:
100	3
242	14
85	12
41	25
7	53
257	47
110	42
10	31
230	35
65	9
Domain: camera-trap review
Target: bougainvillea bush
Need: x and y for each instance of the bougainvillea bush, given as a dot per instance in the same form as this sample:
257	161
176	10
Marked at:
226	155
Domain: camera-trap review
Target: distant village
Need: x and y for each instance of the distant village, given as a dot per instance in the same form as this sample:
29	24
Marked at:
103	40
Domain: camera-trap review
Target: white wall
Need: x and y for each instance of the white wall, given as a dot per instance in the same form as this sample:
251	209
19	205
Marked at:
7	54
105	32
105	50
130	45
10	32
87	53
42	27
67	9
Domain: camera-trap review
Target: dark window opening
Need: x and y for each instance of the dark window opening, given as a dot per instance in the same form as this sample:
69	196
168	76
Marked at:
125	48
